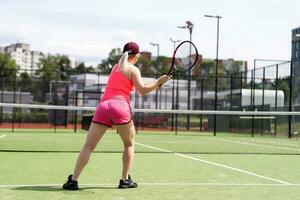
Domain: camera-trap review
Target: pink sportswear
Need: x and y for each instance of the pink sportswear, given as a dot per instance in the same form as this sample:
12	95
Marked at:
114	107
118	85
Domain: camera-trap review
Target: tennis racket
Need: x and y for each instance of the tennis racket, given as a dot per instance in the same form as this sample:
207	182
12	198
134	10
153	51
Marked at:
184	58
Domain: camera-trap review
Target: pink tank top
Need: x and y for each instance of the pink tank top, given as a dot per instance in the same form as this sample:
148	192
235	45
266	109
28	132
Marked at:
118	85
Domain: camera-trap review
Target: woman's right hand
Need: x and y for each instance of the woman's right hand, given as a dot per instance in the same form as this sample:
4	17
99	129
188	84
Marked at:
163	79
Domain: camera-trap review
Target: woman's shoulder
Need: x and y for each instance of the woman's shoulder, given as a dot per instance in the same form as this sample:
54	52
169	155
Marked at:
134	69
131	68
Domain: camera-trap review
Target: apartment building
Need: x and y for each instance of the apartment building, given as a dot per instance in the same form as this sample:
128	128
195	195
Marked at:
27	59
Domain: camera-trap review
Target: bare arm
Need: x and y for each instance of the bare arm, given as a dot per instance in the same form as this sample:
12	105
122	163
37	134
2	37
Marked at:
143	88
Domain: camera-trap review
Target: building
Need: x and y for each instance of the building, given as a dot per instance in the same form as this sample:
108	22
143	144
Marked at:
296	64
86	90
239	99
233	66
229	66
25	58
14	97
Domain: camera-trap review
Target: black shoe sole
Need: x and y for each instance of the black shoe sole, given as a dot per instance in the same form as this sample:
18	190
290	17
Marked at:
66	188
126	186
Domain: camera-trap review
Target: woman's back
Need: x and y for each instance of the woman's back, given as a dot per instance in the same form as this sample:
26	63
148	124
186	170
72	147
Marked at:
119	83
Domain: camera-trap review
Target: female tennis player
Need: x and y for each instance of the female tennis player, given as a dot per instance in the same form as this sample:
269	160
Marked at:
114	109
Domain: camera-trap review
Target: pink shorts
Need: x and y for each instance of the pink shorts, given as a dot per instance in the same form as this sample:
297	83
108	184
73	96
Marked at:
115	111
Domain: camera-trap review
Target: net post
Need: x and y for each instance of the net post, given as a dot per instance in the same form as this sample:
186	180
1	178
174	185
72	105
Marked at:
156	94
14	100
240	100
20	101
176	124
2	98
66	104
189	99
252	100
291	98
216	104
201	104
263	99
177	104
173	104
75	117
55	98
231	93
276	100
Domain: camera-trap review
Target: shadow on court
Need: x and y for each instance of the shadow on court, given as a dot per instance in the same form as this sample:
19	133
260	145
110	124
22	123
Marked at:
59	189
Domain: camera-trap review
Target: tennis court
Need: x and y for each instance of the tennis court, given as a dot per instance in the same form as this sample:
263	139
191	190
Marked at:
164	174
169	164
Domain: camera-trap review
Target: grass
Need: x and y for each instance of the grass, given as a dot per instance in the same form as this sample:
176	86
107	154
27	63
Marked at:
64	140
160	176
196	166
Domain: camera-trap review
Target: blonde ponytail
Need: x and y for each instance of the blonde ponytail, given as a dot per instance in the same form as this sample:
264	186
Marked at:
123	61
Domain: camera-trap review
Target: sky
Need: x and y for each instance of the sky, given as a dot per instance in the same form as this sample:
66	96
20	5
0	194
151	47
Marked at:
88	29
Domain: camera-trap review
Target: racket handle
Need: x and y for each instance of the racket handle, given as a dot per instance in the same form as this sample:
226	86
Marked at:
162	84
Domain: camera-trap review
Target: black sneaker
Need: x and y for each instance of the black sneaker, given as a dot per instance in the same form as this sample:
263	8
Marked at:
123	184
70	184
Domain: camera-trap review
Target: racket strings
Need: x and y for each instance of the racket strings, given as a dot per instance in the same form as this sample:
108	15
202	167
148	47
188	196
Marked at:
185	57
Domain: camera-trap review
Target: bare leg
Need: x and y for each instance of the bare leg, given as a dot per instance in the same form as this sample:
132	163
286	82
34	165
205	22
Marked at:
127	133
96	131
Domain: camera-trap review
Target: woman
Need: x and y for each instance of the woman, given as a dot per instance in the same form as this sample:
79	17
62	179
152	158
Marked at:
114	109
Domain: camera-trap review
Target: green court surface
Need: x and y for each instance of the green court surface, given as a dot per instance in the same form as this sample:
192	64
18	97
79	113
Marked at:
160	176
166	166
64	140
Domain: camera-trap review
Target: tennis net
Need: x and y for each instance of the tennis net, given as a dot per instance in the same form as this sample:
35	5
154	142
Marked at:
46	128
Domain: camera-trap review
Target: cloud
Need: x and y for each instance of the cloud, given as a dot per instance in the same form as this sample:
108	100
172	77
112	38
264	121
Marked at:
90	50
21	32
124	35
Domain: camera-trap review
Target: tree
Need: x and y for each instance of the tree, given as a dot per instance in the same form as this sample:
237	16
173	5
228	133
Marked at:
236	67
64	66
26	82
55	67
208	68
284	85
52	68
8	66
208	75
144	65
80	69
112	59
164	64
161	65
8	71
90	69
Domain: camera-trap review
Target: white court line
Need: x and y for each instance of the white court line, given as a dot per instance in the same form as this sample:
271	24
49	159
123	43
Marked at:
255	144
2	136
152	184
215	164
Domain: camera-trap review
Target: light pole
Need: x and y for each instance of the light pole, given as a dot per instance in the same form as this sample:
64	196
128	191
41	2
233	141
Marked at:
217	67
156	45
174	43
173	85
156	93
189	25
